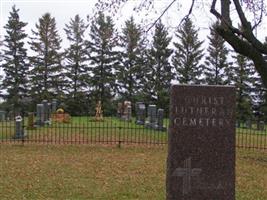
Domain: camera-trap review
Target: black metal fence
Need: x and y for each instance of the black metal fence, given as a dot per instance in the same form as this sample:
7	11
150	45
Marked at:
63	129
251	134
81	130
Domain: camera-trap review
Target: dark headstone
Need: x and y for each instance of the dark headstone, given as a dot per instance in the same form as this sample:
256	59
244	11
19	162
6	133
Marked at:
40	115
237	124
160	119
201	151
49	110
248	124
260	126
54	105
46	110
152	116
140	109
2	115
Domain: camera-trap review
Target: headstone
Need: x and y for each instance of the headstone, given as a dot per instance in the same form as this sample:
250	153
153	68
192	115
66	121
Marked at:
2	115
260	126
127	111
237	124
54	105
30	125
11	115
120	110
248	124
152	116
160	120
46	111
19	132
136	109
49	110
201	151
61	116
40	115
140	110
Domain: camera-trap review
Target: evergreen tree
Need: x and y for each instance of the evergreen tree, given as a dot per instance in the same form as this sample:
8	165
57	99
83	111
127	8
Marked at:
104	59
243	80
216	61
159	71
130	71
46	75
76	68
188	54
259	99
1	59
15	62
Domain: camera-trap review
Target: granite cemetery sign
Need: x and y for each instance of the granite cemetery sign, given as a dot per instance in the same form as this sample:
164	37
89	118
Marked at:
201	154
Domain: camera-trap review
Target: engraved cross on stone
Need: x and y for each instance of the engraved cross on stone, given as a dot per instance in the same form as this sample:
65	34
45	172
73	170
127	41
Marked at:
187	173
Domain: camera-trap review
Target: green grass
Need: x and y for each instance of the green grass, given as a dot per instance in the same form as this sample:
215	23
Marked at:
83	129
106	173
86	130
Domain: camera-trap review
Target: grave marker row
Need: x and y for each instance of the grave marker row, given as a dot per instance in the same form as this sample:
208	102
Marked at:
155	117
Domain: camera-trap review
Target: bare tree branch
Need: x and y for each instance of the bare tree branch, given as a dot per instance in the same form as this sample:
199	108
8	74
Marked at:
225	22
188	14
167	8
262	9
241	15
246	32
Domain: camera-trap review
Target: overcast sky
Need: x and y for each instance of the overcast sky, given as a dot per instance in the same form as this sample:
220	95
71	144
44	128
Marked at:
63	10
32	10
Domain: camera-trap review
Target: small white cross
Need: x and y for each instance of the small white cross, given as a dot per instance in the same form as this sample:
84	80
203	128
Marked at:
187	172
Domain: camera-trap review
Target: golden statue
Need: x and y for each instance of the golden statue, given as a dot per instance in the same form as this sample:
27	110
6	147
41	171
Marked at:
99	112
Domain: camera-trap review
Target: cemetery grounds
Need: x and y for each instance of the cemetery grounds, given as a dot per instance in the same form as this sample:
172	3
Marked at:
121	160
35	171
112	130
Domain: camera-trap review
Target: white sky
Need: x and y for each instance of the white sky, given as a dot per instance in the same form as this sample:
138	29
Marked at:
63	10
32	10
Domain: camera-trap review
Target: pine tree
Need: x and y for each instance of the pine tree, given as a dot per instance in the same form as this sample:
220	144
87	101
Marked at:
46	75
104	59
76	68
216	61
1	59
259	99
243	80
130	70
159	71
15	62
188	54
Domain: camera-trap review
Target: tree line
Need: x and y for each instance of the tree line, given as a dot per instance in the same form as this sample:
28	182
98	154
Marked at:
110	66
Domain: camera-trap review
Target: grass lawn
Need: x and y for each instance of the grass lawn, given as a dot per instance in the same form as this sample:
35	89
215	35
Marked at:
86	130
97	172
112	130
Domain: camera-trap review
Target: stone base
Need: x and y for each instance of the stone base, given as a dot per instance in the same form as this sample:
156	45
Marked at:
151	125
161	128
38	124
20	137
140	123
48	122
